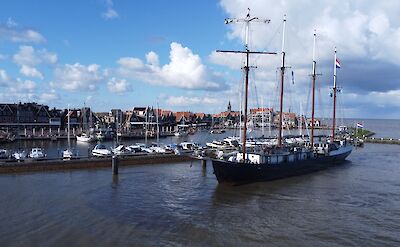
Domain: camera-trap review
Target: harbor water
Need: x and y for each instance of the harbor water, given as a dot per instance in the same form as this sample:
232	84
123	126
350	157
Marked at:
354	204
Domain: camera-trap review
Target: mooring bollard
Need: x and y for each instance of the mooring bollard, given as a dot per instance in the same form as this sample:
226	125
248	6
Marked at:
204	163
114	164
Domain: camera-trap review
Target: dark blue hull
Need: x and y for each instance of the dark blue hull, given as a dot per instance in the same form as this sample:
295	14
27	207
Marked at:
233	172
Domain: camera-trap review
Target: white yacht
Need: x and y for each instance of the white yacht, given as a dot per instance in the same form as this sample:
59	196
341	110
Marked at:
37	153
85	138
121	150
101	151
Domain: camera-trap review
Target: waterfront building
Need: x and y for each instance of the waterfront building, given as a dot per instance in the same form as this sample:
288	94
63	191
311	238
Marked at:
226	118
261	116
184	117
29	118
289	119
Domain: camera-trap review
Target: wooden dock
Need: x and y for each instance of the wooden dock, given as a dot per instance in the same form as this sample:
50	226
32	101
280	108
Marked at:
88	163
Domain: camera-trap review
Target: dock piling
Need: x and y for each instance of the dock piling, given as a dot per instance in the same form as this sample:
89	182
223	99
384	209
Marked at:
204	163
114	164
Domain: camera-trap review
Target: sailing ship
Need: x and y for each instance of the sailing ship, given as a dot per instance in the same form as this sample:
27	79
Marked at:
283	160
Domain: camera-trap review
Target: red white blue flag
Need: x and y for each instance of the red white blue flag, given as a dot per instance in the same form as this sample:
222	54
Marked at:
337	63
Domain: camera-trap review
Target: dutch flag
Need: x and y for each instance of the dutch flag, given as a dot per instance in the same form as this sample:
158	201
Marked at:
337	63
360	125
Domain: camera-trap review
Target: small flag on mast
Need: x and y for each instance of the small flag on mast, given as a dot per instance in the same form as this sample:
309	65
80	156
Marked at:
337	63
360	125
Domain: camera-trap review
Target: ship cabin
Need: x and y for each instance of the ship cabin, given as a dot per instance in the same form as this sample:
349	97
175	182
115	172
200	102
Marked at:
294	155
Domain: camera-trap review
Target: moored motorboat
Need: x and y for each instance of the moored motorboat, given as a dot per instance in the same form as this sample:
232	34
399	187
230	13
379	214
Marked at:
101	151
85	138
19	155
121	150
37	153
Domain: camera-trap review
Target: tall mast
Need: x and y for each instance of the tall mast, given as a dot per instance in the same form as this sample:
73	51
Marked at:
158	126
334	98
282	81
145	132
246	51
262	116
313	92
117	126
69	138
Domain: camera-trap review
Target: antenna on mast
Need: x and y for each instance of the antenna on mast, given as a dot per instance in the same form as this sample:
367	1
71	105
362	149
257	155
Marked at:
246	68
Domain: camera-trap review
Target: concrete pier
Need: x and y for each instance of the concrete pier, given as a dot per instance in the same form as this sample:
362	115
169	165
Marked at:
382	140
88	163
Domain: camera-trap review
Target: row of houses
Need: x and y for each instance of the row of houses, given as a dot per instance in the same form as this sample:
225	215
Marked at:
33	115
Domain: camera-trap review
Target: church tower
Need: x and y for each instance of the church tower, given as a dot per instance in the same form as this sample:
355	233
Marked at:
229	106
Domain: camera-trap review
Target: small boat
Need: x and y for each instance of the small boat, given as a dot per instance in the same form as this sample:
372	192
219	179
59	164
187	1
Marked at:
37	153
180	133
217	131
101	151
69	154
19	155
85	138
121	150
158	149
147	149
134	148
189	146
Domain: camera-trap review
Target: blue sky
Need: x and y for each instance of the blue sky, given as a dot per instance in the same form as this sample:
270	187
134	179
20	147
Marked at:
119	54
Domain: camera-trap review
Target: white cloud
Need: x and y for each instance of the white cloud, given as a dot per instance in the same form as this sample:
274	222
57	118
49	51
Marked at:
152	59
48	97
110	12
4	78
11	32
22	87
74	77
187	101
118	86
131	63
27	57
30	72
368	31
48	57
185	70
